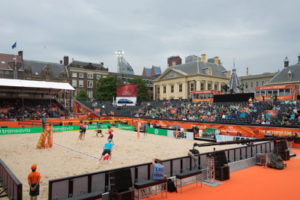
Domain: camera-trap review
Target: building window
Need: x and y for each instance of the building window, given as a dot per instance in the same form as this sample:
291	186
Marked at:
90	84
180	87
202	86
216	86
98	76
90	76
165	89
90	94
74	74
74	83
172	88
251	84
81	83
81	75
192	87
263	82
209	86
246	85
257	84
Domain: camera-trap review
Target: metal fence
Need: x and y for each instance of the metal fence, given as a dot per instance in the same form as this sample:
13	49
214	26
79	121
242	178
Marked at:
74	186
11	185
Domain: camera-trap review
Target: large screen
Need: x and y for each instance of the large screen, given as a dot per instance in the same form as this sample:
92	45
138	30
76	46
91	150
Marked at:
127	91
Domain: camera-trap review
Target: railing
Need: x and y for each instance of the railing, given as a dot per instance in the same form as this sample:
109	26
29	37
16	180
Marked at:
74	186
11	185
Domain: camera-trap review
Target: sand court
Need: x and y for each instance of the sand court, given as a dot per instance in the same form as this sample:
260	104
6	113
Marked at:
70	156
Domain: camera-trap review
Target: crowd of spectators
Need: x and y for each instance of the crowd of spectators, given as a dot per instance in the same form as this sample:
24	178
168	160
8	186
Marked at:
16	109
280	113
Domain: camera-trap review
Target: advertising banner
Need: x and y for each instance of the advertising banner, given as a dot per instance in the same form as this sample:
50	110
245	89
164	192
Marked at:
126	101
8	131
225	129
39	129
157	131
127	90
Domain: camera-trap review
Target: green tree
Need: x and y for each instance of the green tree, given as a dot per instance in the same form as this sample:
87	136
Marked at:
82	95
142	90
106	88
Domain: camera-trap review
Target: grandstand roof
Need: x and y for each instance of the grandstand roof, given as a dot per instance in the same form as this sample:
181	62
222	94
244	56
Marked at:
34	84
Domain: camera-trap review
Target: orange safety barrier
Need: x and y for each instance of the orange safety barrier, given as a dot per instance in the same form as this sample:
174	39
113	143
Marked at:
226	129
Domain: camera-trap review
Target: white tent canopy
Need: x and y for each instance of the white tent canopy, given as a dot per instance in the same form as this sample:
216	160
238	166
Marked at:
34	84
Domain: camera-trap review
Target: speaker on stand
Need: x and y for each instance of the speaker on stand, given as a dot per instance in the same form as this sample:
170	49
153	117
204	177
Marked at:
121	185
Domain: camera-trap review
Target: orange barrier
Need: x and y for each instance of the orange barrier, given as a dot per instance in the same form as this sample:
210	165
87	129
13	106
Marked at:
226	129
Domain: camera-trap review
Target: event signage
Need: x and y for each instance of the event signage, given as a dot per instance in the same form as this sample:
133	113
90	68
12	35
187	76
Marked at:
126	95
39	129
8	131
157	131
127	90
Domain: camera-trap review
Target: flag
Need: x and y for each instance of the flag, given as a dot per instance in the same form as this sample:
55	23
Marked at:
14	45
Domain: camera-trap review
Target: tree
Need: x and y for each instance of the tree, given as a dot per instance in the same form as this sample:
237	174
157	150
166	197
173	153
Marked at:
106	88
82	95
142	90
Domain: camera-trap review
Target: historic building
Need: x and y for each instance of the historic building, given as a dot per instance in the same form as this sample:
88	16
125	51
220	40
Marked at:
250	82
84	75
179	81
11	66
290	74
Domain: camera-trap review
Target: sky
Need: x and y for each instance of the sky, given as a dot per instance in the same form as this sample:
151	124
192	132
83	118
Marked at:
257	34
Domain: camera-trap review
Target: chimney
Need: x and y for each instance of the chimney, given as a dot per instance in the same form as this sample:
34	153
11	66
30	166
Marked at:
299	58
20	53
247	71
216	60
203	58
66	60
286	62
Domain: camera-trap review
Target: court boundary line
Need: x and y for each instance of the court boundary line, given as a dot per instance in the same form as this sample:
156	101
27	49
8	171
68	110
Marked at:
79	152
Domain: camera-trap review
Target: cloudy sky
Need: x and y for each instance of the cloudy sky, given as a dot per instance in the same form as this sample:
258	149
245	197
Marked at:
257	34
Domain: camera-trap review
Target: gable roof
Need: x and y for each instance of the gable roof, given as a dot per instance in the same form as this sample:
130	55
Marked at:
192	68
88	65
168	71
200	68
283	75
38	66
6	59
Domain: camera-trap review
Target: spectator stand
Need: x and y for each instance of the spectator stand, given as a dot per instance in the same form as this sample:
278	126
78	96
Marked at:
24	99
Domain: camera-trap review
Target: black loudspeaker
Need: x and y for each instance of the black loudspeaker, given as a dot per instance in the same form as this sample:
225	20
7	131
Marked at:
285	155
120	180
220	159
280	146
222	173
126	195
